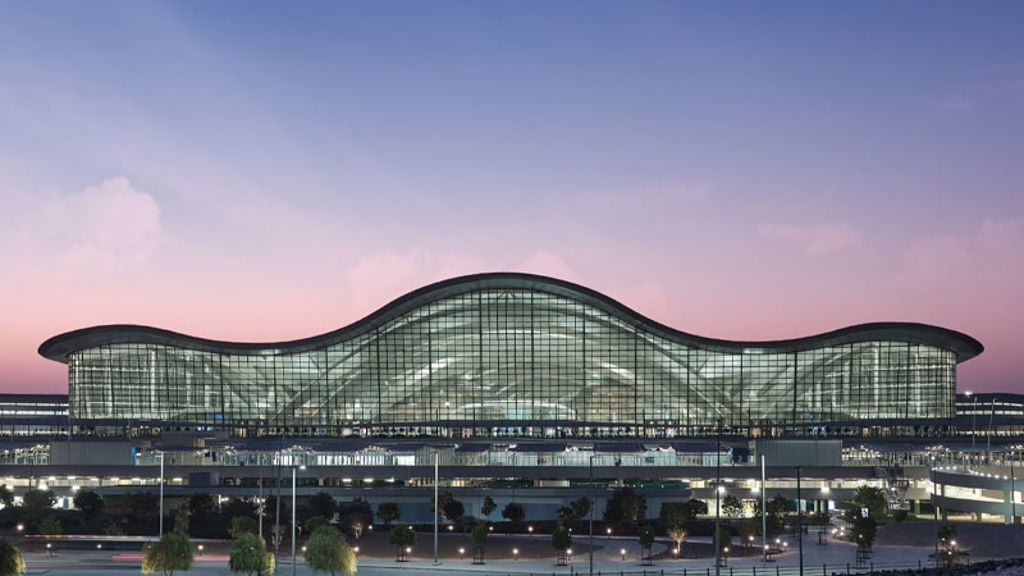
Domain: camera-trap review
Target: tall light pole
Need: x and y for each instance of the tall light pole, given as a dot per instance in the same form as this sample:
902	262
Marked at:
988	433
1013	491
293	516
974	418
718	501
161	493
437	511
799	521
259	497
590	517
935	508
764	516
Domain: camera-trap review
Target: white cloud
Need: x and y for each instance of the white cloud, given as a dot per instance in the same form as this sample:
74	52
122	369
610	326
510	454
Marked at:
816	240
110	225
992	252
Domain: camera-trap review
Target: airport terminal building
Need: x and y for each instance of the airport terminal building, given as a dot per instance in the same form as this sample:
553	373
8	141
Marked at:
509	355
509	380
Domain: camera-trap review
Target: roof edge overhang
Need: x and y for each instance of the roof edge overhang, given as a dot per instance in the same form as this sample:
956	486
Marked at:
59	347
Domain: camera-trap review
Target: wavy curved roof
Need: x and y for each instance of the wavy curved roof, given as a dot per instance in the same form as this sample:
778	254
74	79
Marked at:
59	347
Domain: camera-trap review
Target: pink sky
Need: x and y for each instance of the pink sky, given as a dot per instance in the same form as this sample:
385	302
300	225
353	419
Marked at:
769	172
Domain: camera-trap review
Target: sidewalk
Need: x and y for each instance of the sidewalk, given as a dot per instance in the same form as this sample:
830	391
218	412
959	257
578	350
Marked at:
609	560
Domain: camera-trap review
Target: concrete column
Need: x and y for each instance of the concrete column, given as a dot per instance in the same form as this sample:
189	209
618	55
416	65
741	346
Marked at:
1008	500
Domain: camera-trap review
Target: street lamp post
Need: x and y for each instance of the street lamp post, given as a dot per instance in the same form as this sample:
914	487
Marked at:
935	509
590	517
161	493
437	511
1012	508
718	502
799	521
988	433
974	419
293	516
764	517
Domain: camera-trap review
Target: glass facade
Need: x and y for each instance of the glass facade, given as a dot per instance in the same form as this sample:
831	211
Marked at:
503	356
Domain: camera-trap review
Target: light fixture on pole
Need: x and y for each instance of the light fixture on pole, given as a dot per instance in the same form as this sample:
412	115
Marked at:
974	418
988	433
764	517
293	516
161	454
799	520
437	507
590	517
718	501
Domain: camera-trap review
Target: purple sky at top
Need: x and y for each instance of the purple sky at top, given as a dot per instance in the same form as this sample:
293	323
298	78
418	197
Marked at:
268	171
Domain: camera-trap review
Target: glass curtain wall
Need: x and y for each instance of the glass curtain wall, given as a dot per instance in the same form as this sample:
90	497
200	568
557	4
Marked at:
514	362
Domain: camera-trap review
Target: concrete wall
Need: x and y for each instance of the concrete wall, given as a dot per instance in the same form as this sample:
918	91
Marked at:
87	452
801	452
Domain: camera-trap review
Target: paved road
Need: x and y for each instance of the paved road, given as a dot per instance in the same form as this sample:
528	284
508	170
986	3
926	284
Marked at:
606	561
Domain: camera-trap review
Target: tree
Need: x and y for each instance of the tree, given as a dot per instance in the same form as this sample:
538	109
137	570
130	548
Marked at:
203	519
142	511
946	534
697	507
872	498
11	562
402	537
479	538
775	514
561	540
35	503
355	516
864	532
237	513
514	513
50	526
321	504
625	509
724	539
388	512
488	507
6	496
675	515
646	541
732	506
575	511
249	554
749	528
327	551
678	535
89	504
112	528
564	514
172	552
449	507
311	524
243	525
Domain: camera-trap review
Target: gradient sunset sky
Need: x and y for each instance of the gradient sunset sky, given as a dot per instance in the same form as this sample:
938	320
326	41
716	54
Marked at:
268	171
